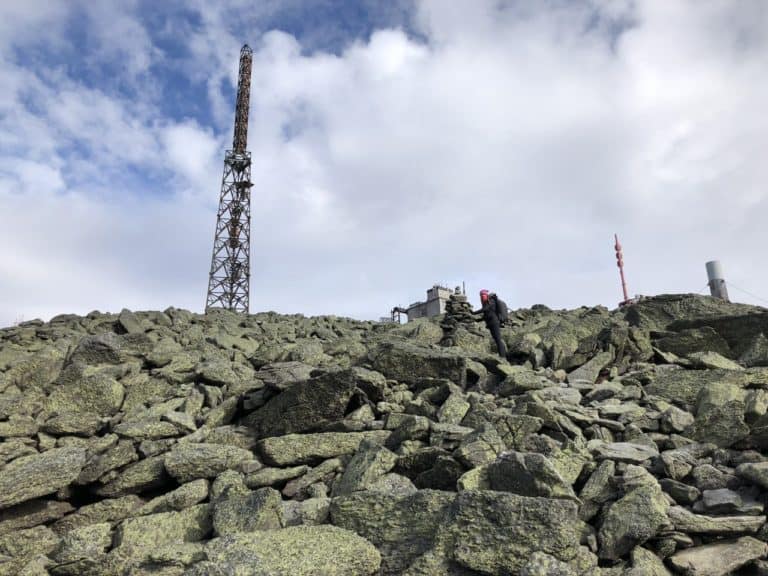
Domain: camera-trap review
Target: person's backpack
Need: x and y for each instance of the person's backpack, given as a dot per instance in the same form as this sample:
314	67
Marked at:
501	310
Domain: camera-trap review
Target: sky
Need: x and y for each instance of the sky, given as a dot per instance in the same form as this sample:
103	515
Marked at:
396	145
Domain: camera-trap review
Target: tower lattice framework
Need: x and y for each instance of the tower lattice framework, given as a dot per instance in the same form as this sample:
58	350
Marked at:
229	280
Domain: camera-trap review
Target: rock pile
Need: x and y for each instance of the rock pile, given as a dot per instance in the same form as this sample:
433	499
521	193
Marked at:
458	312
170	443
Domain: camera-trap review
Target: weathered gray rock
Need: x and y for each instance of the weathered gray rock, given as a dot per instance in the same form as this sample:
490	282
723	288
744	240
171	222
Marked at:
306	406
145	533
295	449
82	550
633	519
402	528
754	472
720	558
528	474
298	551
646	563
480	447
492	536
37	475
282	375
274	476
368	465
598	490
110	510
686	521
140	476
95	393
453	409
682	387
720	415
189	461
185	496
32	513
624	452
39	539
259	510
97	465
405	362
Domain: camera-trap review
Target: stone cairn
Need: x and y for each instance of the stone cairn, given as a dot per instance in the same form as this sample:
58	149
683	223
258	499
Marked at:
458	312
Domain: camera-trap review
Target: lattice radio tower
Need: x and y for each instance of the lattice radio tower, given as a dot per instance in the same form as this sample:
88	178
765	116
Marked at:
229	280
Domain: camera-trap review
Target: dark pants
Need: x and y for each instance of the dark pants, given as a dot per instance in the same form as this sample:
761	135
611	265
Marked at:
495	329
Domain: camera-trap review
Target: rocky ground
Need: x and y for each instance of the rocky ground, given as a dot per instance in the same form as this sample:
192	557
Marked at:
627	443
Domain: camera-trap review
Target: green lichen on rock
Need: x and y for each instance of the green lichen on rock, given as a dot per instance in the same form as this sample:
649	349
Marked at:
37	475
293	551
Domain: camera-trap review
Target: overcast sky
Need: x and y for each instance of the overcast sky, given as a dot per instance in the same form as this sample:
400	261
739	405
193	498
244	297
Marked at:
396	145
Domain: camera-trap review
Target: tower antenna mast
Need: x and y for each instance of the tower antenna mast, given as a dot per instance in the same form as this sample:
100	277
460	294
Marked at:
229	279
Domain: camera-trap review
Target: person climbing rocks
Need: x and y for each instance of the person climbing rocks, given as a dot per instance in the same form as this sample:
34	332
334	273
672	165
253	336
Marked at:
494	312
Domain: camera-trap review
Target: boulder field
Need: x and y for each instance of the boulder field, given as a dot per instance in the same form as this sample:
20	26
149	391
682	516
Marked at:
631	442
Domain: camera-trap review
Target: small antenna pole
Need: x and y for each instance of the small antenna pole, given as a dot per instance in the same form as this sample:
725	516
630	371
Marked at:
620	264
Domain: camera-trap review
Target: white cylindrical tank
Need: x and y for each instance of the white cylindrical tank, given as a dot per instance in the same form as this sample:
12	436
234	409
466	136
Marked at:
716	280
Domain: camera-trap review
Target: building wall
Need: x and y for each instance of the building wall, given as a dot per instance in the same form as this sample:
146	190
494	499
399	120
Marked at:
437	298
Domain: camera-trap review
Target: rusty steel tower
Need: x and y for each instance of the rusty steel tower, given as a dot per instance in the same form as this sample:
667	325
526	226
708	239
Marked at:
229	280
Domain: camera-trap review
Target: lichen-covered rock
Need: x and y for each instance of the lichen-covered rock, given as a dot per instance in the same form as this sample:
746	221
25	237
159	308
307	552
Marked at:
295	449
77	423
259	510
189	461
99	464
633	519
39	540
37	475
140	476
95	393
184	496
496	533
274	476
528	474
720	415
306	406
646	563
32	513
110	510
406	362
719	558
690	523
368	465
143	533
401	528
82	550
294	551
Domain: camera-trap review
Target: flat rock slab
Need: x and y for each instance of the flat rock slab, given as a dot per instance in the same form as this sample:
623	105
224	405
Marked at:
294	551
140	476
154	530
189	461
406	362
40	474
718	559
296	449
32	513
691	523
624	452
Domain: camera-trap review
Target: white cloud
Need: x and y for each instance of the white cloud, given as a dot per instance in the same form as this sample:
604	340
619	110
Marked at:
504	151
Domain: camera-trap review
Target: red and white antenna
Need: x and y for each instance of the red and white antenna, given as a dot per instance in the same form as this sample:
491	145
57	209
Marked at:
620	264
